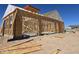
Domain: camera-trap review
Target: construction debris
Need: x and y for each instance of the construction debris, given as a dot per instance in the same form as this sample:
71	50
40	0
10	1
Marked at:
21	48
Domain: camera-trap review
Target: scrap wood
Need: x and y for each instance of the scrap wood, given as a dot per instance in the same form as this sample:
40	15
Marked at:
16	45
23	46
9	49
26	50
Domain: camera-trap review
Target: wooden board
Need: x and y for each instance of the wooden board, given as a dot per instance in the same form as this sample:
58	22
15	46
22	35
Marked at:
25	47
22	50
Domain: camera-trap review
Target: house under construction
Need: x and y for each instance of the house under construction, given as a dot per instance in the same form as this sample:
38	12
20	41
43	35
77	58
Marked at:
18	21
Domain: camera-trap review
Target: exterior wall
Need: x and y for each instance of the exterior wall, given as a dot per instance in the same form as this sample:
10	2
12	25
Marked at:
7	28
59	27
26	22
29	25
0	30
17	26
56	27
48	26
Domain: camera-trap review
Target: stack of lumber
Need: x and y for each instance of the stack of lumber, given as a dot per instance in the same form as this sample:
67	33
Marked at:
22	48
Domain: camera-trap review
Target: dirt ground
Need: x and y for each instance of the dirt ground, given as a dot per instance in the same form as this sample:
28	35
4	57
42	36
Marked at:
62	43
67	43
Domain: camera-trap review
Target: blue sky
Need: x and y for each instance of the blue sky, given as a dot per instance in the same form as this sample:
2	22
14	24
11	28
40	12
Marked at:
69	12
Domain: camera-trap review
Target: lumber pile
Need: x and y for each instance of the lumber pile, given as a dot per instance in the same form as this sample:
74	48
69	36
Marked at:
22	48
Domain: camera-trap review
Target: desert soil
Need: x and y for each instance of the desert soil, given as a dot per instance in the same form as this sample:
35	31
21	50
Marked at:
62	43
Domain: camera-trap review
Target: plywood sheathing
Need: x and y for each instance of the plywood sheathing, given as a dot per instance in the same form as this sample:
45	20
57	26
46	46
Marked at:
8	30
44	24
37	17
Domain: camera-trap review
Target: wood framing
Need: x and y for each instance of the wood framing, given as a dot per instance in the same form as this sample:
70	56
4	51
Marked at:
21	22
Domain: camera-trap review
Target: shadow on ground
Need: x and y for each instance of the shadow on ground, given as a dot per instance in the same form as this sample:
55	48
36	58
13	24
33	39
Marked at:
19	38
25	37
